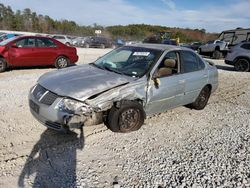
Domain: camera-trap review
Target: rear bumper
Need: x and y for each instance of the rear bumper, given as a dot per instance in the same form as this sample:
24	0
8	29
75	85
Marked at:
74	59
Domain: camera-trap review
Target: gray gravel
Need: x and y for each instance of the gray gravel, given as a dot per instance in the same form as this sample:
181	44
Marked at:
179	148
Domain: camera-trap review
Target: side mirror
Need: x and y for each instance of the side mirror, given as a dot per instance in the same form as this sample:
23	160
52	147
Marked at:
156	80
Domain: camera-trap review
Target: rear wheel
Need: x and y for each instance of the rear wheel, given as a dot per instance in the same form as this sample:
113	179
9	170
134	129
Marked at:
242	65
61	62
128	117
201	100
199	51
3	65
217	54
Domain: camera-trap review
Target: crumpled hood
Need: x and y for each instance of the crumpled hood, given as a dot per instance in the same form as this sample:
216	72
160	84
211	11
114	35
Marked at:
81	82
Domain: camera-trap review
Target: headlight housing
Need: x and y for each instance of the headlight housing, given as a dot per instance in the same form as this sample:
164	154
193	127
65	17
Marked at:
73	106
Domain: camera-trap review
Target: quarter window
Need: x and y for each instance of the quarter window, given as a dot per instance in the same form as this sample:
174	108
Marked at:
246	46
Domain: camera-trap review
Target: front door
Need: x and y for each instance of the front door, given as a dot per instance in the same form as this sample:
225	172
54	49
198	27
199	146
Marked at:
166	90
22	53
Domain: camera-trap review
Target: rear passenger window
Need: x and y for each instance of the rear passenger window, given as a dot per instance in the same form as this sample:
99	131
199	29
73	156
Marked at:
45	43
190	62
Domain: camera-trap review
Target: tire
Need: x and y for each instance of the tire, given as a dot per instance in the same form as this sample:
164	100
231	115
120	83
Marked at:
242	65
217	54
3	65
201	101
61	62
67	43
199	51
128	117
86	46
102	46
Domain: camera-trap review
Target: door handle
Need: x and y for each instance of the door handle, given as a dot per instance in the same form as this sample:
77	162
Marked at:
182	81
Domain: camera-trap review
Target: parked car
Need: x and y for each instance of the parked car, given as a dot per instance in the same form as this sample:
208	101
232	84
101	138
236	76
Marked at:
118	42
123	87
194	45
77	41
239	57
98	42
63	39
81	42
35	51
7	36
214	48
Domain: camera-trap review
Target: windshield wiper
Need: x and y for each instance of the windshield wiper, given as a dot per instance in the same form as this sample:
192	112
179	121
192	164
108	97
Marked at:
95	65
112	70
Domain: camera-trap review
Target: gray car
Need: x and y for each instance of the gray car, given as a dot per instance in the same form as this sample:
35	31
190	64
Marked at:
123	87
239	57
214	48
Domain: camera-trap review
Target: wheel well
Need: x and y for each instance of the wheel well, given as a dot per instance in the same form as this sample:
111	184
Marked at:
5	60
242	57
217	48
62	56
118	103
209	86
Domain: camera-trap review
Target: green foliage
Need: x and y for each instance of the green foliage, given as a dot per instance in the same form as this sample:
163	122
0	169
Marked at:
27	20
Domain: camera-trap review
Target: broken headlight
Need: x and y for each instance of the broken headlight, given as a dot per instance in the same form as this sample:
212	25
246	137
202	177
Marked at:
73	106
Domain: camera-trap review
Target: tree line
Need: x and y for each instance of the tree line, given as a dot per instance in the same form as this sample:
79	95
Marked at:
26	20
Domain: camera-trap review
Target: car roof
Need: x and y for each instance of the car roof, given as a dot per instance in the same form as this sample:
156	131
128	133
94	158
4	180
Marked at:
162	47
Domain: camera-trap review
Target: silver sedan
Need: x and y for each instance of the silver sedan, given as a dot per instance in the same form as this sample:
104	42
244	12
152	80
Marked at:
123	87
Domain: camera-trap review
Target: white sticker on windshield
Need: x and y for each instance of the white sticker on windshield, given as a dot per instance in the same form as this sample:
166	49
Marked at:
141	53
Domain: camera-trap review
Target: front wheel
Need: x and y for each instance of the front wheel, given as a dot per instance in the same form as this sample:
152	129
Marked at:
128	117
3	65
242	65
61	62
201	100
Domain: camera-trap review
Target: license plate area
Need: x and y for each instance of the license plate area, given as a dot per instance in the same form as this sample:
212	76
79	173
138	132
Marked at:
34	106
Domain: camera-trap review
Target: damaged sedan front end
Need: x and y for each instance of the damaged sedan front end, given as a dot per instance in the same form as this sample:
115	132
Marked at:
119	89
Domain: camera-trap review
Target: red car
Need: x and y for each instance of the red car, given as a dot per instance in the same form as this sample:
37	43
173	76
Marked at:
35	51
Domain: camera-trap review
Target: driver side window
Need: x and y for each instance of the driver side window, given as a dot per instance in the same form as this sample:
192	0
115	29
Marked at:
169	65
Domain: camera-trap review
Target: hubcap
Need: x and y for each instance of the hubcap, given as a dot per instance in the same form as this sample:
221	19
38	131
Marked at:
129	119
62	62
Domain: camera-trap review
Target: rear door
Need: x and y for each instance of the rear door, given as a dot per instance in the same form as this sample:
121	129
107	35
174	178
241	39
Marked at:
195	75
23	54
45	51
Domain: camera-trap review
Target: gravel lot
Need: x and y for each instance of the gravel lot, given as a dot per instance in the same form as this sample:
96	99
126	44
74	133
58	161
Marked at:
179	148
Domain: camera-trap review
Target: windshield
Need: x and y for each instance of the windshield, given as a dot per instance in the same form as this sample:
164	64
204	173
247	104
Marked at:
129	60
3	43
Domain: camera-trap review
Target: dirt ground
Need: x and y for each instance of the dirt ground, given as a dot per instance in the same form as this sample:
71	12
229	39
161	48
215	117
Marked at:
179	148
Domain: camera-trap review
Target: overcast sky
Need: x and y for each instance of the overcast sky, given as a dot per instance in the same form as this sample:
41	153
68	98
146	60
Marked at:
212	15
